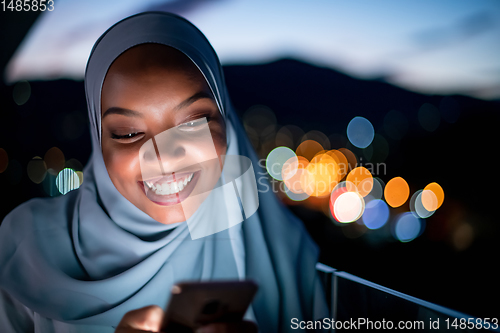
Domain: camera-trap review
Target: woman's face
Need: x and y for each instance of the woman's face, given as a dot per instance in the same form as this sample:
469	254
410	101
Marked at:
153	89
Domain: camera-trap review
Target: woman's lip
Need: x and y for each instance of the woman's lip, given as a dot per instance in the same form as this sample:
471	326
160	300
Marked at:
171	199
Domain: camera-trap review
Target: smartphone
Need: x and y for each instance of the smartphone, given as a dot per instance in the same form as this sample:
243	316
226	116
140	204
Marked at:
194	304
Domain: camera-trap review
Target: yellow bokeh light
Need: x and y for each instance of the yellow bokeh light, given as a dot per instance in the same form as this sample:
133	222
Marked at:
362	178
396	192
432	196
321	176
341	162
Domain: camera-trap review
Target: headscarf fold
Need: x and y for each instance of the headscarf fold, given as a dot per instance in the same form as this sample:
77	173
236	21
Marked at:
90	256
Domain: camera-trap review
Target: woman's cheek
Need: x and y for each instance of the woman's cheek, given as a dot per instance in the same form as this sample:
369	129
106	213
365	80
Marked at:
123	166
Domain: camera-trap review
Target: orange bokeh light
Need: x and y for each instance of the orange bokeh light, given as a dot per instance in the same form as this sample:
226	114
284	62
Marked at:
309	149
352	160
321	176
341	162
432	196
292	173
396	192
362	178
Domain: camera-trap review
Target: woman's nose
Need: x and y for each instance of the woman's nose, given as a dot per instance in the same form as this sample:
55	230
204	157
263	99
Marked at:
162	154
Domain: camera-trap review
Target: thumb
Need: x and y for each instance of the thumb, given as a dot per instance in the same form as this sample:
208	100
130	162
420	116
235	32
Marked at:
148	318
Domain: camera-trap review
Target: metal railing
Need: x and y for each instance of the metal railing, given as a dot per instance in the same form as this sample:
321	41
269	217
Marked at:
360	305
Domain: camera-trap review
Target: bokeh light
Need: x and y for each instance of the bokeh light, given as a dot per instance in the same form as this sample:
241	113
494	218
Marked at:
396	192
261	119
377	191
408	227
417	207
319	137
308	149
54	160
37	170
348	207
340	189
435	190
362	178
277	159
376	214
80	176
21	92
67	180
351	158
342	162
322	175
284	137
292	174
360	132
4	160
429	117
289	136
295	196
462	236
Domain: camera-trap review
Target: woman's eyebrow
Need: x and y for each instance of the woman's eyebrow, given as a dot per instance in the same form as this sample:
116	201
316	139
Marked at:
194	98
122	111
132	113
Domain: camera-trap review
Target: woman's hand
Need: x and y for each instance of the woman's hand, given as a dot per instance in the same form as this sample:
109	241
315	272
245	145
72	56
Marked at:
146	319
149	318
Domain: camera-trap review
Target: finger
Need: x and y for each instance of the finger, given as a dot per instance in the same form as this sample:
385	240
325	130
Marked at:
238	327
147	318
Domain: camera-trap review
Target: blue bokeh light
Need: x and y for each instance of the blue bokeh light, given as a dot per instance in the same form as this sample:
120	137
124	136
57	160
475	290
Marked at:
408	227
376	214
360	132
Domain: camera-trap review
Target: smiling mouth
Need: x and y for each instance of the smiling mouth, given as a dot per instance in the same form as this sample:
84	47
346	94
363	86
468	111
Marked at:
170	189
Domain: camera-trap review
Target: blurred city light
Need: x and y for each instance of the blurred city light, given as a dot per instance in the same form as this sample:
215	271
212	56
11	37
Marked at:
308	149
396	192
376	214
360	132
21	92
348	207
431	191
54	160
276	160
377	191
417	207
362	178
407	227
67	180
37	170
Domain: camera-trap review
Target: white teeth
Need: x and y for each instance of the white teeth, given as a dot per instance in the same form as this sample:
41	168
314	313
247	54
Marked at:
169	188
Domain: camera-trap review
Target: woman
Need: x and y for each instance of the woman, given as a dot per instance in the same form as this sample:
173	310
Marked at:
106	255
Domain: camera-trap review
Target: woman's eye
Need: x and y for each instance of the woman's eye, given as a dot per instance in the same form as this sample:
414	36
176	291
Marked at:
192	125
129	137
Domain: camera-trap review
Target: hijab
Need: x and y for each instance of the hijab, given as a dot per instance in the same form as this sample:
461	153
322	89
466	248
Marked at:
90	256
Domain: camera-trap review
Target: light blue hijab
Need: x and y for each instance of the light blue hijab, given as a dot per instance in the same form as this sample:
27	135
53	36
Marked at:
90	256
